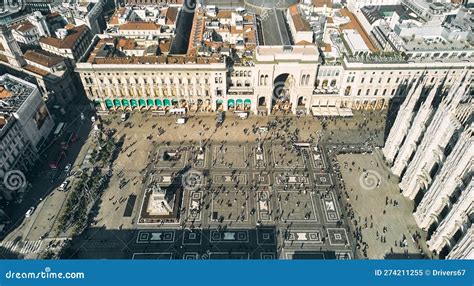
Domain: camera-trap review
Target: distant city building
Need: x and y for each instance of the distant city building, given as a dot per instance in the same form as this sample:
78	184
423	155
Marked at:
53	75
70	42
89	13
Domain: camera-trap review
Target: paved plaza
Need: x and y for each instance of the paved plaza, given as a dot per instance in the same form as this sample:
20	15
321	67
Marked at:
369	182
277	199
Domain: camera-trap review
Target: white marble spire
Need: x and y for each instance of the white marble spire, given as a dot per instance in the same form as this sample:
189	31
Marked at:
456	167
457	219
431	149
402	122
416	132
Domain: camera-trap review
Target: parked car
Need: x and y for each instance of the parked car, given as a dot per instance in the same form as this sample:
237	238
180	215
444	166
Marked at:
181	120
63	186
67	169
29	212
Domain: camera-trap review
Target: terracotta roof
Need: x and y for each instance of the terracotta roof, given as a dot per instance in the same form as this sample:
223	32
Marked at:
327	47
355	25
115	18
23	26
69	41
126	44
149	26
224	14
301	25
3	121
43	58
304	43
321	3
36	70
4	93
53	15
171	15
165	47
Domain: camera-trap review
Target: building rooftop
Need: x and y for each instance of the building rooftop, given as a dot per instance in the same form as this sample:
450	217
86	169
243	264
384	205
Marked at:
43	58
69	40
301	25
13	93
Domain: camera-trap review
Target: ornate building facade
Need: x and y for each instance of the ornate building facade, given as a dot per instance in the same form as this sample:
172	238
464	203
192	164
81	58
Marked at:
431	148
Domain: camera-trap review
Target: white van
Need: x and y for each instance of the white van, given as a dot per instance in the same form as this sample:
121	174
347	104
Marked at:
243	115
181	120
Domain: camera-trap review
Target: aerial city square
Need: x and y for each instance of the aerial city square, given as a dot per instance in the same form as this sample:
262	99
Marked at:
236	129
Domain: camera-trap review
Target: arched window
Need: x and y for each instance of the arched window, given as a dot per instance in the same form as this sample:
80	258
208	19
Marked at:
307	79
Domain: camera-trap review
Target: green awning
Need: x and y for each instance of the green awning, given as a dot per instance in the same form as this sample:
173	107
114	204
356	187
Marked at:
167	102
175	101
149	102
231	103
134	103
158	102
97	102
240	102
109	103
117	102
141	102
125	102
219	101
247	102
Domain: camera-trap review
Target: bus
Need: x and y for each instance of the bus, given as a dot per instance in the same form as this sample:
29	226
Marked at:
58	129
